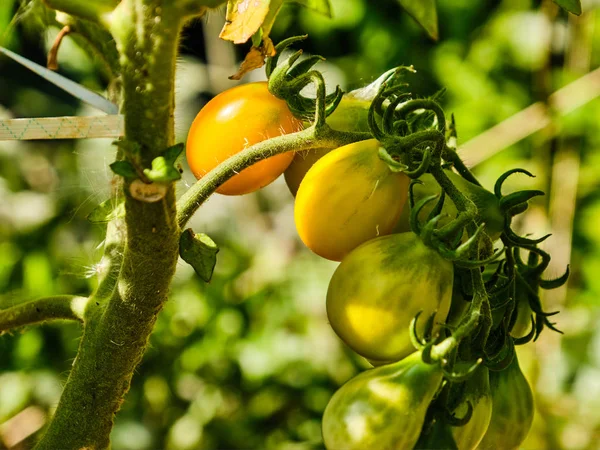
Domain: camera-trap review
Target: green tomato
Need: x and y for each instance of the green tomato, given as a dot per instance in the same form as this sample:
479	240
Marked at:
512	409
350	115
477	392
379	288
382	408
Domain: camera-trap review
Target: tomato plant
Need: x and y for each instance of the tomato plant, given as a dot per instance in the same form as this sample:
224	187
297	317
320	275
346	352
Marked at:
348	197
379	288
232	121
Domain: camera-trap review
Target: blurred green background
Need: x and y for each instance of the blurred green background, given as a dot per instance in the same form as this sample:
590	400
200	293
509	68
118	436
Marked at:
249	361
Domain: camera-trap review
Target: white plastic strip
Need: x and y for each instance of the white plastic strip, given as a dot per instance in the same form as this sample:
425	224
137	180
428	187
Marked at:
62	128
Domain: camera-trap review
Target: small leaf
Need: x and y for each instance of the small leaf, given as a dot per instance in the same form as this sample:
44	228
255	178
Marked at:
320	6
124	168
107	211
172	153
425	13
162	171
572	6
243	19
200	252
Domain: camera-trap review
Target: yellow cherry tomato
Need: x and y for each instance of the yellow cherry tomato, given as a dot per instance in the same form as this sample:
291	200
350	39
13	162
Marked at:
348	197
235	119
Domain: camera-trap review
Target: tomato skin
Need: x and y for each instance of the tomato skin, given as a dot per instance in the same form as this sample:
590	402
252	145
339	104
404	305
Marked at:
512	409
348	197
522	325
233	120
379	288
382	408
477	392
350	115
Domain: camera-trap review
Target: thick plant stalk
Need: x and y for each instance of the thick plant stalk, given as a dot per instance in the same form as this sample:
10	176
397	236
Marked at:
117	331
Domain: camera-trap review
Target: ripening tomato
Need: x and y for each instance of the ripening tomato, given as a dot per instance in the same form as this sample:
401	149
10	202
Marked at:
382	408
350	115
379	288
348	197
512	409
235	119
477	393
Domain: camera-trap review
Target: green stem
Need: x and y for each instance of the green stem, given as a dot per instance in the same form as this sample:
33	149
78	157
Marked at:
58	307
141	250
93	10
307	139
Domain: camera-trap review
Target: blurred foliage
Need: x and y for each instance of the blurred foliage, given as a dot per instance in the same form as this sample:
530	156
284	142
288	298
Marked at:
249	361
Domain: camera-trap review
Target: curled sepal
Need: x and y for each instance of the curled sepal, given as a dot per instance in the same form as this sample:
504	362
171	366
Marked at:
528	337
439	206
516	210
515	199
451	419
411	194
415	339
423	165
305	65
503	359
200	252
394	165
279	48
429	238
515	239
504	176
470	246
471	264
388	117
415	226
459	377
556	282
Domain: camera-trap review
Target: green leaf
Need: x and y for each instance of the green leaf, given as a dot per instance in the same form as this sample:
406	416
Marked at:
162	171
425	13
163	167
107	211
172	153
124	168
320	6
572	6
200	252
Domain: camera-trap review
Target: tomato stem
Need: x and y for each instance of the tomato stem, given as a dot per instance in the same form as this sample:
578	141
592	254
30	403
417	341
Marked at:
310	138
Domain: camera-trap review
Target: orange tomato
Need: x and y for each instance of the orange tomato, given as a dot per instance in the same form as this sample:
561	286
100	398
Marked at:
232	121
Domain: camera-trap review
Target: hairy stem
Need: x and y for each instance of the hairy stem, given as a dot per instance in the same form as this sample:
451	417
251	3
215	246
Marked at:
307	139
141	250
59	307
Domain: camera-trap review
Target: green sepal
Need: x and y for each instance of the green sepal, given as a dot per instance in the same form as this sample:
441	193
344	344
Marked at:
394	165
107	211
124	169
200	252
163	167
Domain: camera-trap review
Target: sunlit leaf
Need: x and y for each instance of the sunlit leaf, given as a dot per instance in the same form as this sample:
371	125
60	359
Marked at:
320	6
200	252
243	19
425	13
106	211
572	6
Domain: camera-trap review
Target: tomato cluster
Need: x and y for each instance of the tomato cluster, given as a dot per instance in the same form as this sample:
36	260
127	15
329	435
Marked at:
351	206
